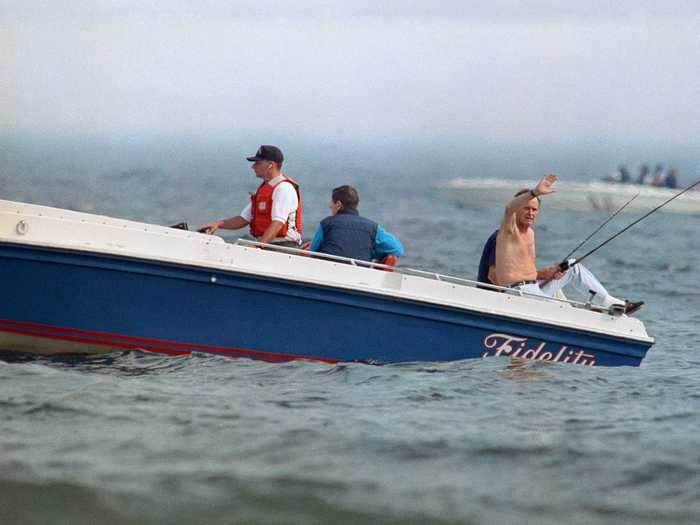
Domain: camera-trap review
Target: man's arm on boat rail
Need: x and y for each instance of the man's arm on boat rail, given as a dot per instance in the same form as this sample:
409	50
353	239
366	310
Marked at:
232	223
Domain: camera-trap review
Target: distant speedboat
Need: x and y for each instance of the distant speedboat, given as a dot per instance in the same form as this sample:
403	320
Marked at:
77	283
576	195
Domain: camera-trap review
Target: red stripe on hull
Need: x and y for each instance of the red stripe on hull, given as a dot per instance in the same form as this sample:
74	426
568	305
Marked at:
162	346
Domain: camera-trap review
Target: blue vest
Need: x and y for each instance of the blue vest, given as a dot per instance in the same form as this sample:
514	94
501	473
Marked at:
348	235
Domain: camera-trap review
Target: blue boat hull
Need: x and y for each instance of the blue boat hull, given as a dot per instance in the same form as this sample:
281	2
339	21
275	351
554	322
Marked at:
115	301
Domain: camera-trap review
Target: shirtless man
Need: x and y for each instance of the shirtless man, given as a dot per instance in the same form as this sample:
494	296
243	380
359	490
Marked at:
511	262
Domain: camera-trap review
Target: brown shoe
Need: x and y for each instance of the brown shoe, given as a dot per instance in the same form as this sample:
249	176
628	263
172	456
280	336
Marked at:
632	307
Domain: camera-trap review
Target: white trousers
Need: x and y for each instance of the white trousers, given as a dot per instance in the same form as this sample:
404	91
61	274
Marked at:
581	279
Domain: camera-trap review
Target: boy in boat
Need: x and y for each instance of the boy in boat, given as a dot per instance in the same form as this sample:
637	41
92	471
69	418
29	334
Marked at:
345	233
508	258
274	210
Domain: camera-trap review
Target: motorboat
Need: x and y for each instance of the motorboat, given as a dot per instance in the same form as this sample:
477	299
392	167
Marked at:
81	283
571	195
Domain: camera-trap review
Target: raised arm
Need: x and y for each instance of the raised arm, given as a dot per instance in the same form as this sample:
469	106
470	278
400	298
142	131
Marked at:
543	187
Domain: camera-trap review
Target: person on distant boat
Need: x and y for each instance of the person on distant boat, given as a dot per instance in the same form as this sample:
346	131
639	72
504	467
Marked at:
347	234
508	257
624	174
643	173
657	179
274	212
671	180
619	175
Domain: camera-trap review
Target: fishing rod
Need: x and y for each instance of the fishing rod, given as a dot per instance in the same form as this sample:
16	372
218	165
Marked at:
600	227
565	265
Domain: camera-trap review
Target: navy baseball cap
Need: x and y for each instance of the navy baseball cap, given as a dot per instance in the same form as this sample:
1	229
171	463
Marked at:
267	152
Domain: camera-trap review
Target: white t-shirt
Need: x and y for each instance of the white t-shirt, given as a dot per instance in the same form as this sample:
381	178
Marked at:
284	207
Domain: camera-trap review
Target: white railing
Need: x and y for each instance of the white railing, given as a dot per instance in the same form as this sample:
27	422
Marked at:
315	255
418	273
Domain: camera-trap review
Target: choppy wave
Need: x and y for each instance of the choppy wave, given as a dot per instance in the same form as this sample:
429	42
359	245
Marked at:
133	437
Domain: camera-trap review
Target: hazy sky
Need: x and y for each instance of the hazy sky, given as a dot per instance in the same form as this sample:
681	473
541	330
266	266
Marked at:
510	71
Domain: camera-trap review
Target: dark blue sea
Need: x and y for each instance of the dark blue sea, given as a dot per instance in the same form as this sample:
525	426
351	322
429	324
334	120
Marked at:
133	437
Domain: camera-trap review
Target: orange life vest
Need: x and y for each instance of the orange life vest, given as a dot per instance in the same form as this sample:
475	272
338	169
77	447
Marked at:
261	209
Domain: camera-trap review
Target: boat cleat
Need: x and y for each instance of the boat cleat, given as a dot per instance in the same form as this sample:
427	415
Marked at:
617	309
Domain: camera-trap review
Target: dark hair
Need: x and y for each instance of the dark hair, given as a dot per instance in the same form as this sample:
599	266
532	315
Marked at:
347	195
527	190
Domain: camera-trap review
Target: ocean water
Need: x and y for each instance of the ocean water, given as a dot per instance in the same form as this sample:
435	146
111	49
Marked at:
133	437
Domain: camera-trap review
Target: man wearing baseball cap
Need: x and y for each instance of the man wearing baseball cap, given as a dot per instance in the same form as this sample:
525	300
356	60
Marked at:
274	211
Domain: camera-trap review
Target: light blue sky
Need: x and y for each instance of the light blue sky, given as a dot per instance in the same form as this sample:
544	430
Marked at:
512	71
